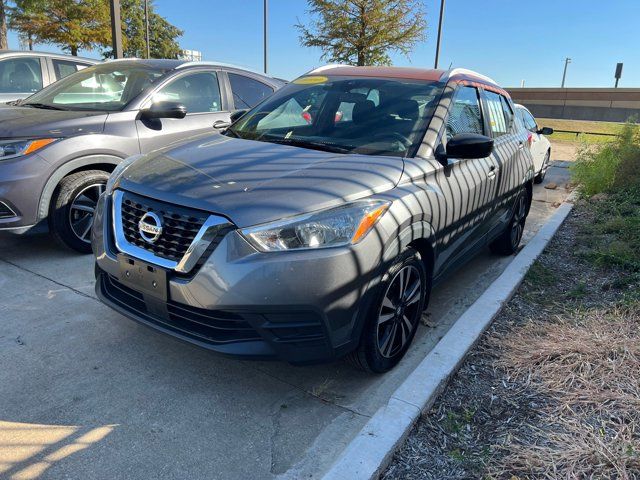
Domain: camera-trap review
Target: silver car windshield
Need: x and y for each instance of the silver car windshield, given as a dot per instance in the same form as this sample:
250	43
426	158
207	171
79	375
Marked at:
105	87
374	116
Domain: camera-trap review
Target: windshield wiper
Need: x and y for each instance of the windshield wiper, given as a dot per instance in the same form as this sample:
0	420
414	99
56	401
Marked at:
42	105
308	144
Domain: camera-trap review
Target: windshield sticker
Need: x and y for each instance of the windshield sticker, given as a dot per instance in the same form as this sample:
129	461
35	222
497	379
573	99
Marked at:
310	80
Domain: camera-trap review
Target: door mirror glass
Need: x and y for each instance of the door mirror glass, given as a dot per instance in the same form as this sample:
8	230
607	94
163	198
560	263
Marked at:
165	110
545	131
469	145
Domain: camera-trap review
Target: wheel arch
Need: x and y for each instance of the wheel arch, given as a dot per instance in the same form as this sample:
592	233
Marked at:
92	162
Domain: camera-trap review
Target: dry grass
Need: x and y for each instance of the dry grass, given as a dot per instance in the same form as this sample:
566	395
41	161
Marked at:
588	365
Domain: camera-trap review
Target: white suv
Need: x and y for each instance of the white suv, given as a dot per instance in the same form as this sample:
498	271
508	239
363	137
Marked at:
539	145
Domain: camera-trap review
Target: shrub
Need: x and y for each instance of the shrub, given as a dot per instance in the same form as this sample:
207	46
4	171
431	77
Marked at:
610	167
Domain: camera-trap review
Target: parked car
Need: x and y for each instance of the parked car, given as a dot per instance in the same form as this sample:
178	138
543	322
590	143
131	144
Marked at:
22	73
308	241
59	145
538	144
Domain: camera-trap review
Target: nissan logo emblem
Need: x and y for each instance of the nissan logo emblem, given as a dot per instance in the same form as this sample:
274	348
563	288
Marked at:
150	227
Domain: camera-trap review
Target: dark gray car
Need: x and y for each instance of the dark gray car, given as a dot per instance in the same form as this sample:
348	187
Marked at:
58	147
318	223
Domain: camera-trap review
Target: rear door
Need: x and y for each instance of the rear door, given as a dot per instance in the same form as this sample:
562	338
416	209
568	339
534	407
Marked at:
508	151
199	91
247	92
468	185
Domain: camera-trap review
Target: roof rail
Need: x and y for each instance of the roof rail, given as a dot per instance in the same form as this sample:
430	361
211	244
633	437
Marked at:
110	60
466	71
218	64
326	67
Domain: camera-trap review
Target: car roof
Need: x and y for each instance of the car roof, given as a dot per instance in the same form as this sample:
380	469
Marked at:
411	73
33	53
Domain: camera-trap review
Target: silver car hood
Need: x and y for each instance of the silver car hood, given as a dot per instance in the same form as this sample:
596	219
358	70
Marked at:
256	182
23	122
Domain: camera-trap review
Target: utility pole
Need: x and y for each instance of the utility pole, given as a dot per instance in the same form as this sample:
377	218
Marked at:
567	61
265	29
146	27
439	33
116	29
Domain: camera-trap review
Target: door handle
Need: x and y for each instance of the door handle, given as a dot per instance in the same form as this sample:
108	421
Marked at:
492	174
520	145
220	124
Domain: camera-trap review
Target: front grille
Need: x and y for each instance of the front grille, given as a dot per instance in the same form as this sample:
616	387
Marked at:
210	326
180	225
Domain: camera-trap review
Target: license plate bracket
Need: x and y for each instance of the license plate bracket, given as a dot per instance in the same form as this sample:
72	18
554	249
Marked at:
143	277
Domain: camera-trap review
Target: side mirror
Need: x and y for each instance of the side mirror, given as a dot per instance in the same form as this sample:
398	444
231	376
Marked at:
467	145
545	131
165	110
237	114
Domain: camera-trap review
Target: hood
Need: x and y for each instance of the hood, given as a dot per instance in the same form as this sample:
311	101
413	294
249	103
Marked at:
256	182
22	122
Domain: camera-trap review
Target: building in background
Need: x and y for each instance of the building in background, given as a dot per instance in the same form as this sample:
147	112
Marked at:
191	55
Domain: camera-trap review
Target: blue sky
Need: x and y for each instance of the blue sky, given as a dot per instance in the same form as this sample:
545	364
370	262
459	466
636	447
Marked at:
509	40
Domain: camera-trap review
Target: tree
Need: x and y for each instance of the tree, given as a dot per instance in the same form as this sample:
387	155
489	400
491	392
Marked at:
363	32
162	34
70	24
4	44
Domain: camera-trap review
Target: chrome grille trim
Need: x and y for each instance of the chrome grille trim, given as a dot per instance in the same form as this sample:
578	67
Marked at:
196	249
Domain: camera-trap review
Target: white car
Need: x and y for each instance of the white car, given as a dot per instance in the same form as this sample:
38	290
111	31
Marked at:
538	143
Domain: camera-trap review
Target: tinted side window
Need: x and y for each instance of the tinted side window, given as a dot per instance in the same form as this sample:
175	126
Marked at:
20	75
248	92
63	68
465	115
508	113
199	92
496	114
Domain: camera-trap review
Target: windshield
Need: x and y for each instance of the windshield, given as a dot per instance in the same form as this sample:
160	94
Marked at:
105	87
375	116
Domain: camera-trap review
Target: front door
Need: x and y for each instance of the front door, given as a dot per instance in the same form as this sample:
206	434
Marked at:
199	92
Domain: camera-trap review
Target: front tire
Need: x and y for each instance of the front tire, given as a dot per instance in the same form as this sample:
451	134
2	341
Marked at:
394	315
509	240
72	208
539	178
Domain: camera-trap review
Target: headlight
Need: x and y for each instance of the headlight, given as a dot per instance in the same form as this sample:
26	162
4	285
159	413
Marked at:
118	171
334	227
18	148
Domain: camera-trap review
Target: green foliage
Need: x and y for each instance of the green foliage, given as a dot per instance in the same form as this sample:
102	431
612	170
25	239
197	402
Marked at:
363	32
70	24
612	166
162	34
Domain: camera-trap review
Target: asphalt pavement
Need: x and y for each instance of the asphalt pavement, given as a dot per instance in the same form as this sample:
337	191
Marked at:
88	394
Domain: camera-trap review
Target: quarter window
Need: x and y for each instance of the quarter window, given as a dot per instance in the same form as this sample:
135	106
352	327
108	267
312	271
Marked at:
248	92
499	124
465	115
198	92
20	75
529	122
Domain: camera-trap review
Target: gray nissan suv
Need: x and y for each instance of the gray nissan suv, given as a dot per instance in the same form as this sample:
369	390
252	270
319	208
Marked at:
58	146
318	223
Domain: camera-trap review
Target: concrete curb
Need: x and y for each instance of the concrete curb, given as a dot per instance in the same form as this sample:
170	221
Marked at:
368	454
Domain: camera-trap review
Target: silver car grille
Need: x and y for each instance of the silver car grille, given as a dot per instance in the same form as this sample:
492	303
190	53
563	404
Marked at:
187	234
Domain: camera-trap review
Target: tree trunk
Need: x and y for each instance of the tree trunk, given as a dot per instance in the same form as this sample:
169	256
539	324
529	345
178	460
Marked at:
4	44
74	50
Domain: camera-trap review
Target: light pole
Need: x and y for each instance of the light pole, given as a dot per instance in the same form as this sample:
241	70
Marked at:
116	29
266	13
439	33
567	61
146	27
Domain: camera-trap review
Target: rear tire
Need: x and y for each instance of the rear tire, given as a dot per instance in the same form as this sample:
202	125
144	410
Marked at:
394	315
509	240
72	208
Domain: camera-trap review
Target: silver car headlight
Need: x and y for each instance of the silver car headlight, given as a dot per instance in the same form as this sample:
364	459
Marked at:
118	171
344	225
19	148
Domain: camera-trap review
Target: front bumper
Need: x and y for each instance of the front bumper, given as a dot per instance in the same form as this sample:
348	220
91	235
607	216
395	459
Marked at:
21	183
301	307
